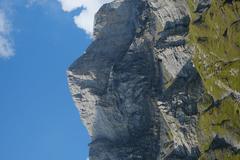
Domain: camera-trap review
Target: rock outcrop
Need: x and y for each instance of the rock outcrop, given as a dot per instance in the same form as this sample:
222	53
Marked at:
138	90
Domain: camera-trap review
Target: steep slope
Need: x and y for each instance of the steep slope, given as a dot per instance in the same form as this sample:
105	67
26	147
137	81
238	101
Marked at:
137	89
215	33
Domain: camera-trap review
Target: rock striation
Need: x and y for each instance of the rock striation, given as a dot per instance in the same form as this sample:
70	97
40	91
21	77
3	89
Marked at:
138	91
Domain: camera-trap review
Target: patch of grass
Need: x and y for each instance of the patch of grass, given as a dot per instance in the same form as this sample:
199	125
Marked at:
216	39
215	36
222	120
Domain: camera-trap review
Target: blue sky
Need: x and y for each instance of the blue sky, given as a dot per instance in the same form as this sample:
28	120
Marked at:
38	118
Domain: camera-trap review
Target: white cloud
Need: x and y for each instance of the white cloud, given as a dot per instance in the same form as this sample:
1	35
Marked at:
85	20
6	48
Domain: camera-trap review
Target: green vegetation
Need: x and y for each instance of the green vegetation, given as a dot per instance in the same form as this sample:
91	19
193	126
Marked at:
222	120
215	36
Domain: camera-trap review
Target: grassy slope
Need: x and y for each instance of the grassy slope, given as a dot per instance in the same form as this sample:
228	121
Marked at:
216	38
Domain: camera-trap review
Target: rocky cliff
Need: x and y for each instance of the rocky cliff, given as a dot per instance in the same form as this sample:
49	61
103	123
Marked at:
160	81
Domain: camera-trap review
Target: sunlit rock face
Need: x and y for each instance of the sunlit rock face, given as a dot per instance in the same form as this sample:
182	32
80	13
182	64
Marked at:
136	86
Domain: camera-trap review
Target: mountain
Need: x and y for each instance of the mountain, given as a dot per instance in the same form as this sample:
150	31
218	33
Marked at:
161	81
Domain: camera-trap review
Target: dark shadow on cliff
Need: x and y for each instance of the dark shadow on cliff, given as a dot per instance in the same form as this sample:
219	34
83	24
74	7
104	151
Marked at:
126	125
187	87
184	92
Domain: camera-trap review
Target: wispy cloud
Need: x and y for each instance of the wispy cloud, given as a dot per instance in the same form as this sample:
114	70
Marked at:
85	20
6	46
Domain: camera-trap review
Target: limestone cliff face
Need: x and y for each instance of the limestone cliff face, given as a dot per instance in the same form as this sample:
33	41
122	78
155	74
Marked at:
138	90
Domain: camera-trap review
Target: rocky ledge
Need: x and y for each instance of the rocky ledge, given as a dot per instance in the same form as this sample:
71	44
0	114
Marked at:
153	85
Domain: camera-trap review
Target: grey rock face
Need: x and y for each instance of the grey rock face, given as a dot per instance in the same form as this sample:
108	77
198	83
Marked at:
135	87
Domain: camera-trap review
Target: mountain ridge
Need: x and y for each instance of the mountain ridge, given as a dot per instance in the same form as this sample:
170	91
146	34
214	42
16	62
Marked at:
140	87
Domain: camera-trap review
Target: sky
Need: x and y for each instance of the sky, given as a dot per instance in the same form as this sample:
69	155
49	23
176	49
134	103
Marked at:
39	39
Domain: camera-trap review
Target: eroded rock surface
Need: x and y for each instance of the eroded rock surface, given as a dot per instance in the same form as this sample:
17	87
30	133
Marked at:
136	86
